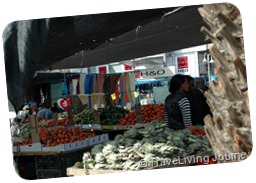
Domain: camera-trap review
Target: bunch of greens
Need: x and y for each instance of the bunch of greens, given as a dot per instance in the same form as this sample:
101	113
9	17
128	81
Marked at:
111	114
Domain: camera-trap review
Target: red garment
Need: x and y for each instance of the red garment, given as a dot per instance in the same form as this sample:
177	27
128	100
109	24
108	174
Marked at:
117	91
113	84
100	81
126	97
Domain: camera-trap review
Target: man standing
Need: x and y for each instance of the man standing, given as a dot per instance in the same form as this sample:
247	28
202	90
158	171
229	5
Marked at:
198	104
45	112
55	108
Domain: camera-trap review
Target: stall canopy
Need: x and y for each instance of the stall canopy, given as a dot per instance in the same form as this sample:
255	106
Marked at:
89	40
180	29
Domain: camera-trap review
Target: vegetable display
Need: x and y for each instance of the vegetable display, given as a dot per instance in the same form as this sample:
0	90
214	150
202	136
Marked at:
154	143
50	123
197	130
129	119
24	131
85	117
110	115
152	112
53	137
149	112
61	135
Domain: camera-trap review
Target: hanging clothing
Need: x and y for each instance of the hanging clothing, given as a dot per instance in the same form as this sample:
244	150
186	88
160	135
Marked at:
89	83
98	99
106	89
74	85
131	86
113	84
84	83
126	98
118	90
71	88
68	81
46	90
95	84
100	82
81	83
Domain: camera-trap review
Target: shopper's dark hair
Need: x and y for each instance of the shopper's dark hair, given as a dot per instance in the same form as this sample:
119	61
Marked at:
176	82
190	78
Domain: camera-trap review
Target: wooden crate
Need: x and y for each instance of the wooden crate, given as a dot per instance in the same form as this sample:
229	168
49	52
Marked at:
80	172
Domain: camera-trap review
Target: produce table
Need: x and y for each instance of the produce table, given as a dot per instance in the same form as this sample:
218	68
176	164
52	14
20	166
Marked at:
72	171
40	165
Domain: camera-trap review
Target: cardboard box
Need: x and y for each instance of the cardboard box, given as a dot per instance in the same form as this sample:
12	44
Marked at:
34	147
16	149
83	143
104	138
33	121
61	147
91	126
94	140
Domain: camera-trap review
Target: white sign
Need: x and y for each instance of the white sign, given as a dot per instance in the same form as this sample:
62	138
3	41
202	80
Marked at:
62	103
183	71
129	105
187	64
156	73
160	93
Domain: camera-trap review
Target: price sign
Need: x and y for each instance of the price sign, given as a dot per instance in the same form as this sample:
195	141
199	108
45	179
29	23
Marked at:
129	105
113	96
62	103
107	127
135	94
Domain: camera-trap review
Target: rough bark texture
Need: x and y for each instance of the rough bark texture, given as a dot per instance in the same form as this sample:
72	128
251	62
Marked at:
229	129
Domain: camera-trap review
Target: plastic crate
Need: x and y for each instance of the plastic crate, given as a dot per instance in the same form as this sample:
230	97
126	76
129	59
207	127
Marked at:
58	161
26	167
48	162
46	174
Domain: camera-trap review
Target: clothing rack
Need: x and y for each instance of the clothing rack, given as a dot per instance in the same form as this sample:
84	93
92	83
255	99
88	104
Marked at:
122	87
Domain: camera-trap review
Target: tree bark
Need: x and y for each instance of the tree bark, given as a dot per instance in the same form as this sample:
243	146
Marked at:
229	127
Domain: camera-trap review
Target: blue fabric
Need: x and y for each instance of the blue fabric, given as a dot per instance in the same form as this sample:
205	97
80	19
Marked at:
48	114
71	88
89	84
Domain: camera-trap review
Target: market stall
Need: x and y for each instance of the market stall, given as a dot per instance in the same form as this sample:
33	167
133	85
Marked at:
153	146
56	140
96	137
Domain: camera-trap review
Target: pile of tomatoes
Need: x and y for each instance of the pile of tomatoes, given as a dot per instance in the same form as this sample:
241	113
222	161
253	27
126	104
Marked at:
61	122
61	135
25	142
149	112
129	119
50	123
152	112
197	131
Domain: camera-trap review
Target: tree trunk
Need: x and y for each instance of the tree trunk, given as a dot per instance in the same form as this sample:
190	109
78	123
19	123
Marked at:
229	128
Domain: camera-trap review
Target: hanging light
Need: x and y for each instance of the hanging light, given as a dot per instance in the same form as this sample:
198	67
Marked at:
211	59
205	57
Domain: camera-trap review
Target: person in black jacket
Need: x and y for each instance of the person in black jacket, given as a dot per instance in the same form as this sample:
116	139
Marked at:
177	107
55	108
198	104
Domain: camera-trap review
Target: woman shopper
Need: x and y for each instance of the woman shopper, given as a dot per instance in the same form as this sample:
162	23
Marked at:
177	107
